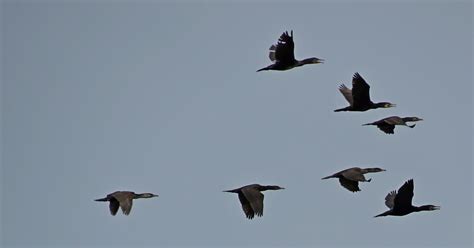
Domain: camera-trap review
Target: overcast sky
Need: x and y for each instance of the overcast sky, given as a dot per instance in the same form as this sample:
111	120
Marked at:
163	97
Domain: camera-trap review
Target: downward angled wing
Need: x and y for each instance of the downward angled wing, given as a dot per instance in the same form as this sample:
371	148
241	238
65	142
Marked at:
113	206
283	51
404	196
360	90
246	206
386	128
352	186
125	203
255	198
347	93
389	199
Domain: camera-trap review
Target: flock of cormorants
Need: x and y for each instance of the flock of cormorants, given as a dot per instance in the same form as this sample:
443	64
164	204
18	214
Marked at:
251	197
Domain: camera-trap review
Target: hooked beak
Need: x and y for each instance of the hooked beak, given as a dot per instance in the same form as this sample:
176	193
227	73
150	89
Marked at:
319	61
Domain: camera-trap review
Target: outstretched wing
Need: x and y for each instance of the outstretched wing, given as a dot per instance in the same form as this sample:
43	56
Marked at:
360	91
347	93
255	199
283	51
404	196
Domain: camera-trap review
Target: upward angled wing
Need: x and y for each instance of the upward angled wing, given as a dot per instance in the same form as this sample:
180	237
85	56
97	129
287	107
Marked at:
393	120
389	199
350	185
347	93
125	202
283	51
360	90
353	174
405	195
255	199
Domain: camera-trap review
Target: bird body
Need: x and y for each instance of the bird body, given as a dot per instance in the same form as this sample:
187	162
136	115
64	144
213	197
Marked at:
350	178
359	96
387	125
282	54
124	200
400	203
251	198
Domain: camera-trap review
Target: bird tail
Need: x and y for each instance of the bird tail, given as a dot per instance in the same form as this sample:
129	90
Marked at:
331	176
382	214
264	69
231	191
341	109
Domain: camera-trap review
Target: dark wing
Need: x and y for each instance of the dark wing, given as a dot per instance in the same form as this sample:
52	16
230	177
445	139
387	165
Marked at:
389	199
113	206
360	91
386	128
283	51
255	199
125	200
246	206
352	186
347	93
404	195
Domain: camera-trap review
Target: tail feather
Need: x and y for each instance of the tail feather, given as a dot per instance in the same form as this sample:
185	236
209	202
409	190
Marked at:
382	214
331	176
264	69
342	109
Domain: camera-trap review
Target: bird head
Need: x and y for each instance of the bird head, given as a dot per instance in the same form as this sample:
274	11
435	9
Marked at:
315	61
148	195
387	105
413	119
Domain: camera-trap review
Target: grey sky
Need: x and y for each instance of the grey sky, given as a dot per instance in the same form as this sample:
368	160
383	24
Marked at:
163	97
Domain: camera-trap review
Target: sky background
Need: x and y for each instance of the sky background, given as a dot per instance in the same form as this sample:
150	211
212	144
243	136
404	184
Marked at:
163	97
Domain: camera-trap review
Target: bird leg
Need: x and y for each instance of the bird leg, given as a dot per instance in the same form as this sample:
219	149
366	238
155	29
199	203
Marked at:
411	126
370	179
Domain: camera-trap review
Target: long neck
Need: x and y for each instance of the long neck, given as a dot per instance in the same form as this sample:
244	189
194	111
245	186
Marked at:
370	170
269	187
143	195
378	105
304	61
406	119
423	208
